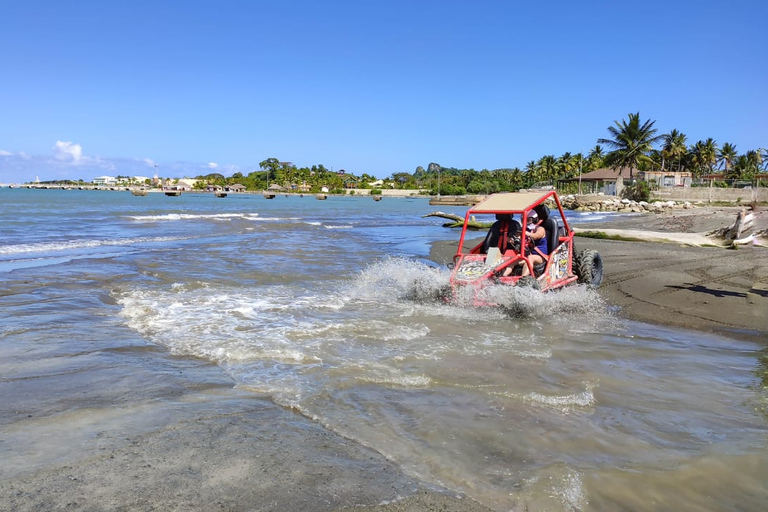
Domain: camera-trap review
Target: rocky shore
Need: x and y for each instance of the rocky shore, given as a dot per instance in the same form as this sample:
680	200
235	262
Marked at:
598	203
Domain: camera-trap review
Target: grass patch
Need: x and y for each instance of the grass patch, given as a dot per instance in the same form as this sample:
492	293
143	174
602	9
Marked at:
600	235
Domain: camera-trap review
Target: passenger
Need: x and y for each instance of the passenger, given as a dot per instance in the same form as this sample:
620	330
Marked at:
537	250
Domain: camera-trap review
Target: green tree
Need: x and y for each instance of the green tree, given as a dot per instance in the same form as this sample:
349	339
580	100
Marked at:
595	159
271	166
726	156
707	155
632	142
673	147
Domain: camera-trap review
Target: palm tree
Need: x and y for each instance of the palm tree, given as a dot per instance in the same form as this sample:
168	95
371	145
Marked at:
516	179
531	173
754	162
547	168
726	156
673	147
631	143
595	158
709	154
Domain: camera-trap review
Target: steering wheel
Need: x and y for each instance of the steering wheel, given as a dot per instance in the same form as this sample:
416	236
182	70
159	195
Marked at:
514	243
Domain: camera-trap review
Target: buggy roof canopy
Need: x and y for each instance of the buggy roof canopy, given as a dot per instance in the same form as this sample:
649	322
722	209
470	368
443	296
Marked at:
512	202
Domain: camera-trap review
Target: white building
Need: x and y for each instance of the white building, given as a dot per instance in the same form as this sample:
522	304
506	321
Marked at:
104	180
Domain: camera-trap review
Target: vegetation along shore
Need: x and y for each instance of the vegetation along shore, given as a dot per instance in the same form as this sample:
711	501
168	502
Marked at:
644	160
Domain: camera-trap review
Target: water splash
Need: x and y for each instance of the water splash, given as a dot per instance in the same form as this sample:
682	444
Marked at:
396	279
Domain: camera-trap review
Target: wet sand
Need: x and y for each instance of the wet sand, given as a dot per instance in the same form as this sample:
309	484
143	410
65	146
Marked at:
705	288
175	435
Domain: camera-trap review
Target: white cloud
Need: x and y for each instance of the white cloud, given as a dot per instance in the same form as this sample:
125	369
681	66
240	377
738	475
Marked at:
5	153
212	165
67	150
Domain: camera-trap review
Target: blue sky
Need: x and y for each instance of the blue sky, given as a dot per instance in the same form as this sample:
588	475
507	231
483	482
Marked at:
89	88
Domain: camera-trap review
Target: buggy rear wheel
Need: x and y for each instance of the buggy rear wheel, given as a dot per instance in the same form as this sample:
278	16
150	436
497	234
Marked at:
588	266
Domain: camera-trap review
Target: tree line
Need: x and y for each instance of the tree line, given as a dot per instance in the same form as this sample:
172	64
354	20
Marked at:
631	143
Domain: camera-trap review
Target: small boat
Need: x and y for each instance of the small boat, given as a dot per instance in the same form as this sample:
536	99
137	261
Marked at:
268	195
377	198
139	191
321	196
220	193
172	192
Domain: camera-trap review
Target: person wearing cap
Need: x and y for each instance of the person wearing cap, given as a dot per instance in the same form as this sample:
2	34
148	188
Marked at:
536	233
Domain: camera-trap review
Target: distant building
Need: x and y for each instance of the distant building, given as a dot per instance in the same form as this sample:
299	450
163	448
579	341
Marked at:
104	180
667	178
606	181
186	183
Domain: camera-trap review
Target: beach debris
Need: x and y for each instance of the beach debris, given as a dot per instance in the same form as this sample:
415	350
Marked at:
743	231
458	221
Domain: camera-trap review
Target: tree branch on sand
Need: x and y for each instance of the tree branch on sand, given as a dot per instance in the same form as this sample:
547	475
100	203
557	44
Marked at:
741	232
458	221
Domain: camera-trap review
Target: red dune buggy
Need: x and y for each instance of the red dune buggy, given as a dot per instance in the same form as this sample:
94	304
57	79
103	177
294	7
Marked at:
507	248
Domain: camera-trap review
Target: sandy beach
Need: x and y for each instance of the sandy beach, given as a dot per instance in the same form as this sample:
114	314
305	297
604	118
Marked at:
704	288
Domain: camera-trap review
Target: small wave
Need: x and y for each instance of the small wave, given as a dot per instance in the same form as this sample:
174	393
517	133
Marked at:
381	374
69	245
341	226
566	402
191	216
273	219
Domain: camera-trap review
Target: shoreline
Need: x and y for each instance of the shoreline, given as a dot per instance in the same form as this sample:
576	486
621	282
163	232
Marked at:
100	431
710	289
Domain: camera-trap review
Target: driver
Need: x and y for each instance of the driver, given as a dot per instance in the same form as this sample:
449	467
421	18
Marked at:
502	233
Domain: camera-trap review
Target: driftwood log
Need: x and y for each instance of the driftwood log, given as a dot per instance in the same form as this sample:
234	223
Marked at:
741	232
457	221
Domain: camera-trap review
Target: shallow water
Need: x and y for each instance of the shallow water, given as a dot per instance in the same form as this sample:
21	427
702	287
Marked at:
325	307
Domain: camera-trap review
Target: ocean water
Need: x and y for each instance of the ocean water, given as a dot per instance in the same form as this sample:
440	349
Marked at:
326	307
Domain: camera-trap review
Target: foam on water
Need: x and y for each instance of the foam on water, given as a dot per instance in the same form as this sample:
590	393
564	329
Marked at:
585	398
69	245
193	216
